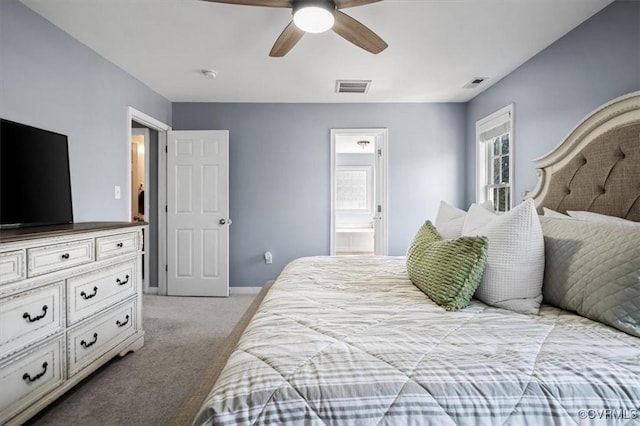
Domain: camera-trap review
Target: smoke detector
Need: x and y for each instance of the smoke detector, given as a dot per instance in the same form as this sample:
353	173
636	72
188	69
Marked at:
211	74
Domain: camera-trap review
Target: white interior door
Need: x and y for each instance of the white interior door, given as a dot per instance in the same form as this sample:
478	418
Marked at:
198	213
380	221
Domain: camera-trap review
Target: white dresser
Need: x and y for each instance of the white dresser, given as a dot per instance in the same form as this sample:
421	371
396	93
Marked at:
70	300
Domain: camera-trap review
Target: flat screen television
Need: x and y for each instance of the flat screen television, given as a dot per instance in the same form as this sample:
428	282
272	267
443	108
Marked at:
35	184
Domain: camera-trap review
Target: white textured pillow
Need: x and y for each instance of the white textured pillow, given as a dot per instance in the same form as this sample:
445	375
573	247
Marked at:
552	213
449	221
477	218
601	218
515	264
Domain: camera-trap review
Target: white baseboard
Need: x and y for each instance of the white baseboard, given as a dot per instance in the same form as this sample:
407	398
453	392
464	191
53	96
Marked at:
244	290
232	290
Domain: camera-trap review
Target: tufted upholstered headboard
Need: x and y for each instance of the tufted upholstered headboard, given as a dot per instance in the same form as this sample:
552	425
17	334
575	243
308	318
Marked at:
597	167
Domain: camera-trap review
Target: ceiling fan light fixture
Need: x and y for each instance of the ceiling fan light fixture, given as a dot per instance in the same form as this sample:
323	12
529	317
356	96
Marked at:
313	17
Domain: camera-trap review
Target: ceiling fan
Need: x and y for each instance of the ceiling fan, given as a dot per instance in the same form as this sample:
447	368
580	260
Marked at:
316	16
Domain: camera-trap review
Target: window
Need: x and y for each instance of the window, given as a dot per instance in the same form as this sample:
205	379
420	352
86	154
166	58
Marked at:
494	135
354	189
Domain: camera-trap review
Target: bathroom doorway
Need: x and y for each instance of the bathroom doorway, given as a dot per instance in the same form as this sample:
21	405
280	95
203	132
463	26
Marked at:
359	192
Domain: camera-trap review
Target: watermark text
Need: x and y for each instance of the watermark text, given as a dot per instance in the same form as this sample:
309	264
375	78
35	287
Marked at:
609	413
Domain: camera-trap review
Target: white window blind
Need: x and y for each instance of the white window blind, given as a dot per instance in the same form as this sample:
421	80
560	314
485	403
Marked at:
494	136
496	131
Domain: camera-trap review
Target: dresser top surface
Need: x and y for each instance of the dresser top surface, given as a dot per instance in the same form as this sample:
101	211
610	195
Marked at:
24	234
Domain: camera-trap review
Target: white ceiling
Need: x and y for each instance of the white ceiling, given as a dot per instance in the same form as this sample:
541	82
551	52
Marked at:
435	46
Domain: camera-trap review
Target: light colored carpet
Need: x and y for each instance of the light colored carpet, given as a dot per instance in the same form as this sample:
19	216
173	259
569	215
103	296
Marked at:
148	386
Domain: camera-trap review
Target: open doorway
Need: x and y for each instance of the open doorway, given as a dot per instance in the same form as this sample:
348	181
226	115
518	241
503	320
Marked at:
147	187
144	156
139	172
358	192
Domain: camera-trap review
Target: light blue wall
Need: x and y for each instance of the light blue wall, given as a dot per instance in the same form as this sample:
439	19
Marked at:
596	62
280	152
50	80
280	178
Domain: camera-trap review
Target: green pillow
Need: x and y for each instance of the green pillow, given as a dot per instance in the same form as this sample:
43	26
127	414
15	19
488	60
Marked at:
448	271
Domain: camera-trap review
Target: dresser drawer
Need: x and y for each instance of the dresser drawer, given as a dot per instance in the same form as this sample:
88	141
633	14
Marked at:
115	245
30	316
96	290
26	379
12	266
91	340
42	260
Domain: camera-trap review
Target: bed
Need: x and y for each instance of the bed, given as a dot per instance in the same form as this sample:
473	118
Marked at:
353	341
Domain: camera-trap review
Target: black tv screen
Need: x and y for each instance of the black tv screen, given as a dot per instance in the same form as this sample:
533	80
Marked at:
35	185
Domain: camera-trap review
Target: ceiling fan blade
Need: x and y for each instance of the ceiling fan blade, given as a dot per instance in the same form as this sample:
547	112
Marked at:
343	4
351	30
265	3
288	38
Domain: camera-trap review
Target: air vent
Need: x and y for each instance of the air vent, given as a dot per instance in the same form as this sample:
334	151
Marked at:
474	83
352	86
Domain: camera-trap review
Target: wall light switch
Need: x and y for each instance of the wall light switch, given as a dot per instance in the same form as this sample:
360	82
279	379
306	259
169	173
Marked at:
268	257
117	192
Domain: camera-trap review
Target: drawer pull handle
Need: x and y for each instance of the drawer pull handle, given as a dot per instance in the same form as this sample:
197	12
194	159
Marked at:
27	376
126	280
65	256
86	296
87	345
27	316
119	245
122	324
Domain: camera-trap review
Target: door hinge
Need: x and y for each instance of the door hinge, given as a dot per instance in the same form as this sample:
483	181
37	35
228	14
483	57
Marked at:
166	149
379	208
166	268
166	208
379	153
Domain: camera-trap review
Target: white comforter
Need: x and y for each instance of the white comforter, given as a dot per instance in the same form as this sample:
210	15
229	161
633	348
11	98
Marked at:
352	341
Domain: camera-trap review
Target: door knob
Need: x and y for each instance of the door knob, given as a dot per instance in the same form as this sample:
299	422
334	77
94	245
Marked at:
222	221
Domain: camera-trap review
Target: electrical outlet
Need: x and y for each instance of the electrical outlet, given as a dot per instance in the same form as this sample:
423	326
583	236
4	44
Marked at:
117	192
